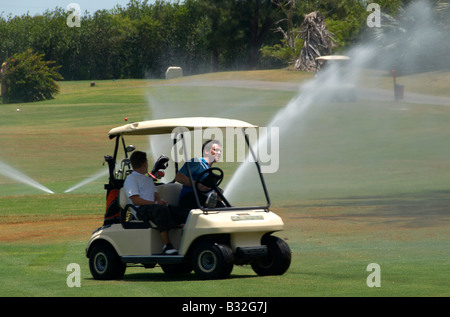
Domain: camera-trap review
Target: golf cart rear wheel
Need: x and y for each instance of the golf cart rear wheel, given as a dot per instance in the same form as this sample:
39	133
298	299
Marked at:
105	264
278	258
212	260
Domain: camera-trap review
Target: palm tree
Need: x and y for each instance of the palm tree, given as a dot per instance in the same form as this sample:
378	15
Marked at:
318	41
416	39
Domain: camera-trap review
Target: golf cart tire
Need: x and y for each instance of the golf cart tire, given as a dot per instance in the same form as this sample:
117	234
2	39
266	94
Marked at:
278	259
212	261
105	264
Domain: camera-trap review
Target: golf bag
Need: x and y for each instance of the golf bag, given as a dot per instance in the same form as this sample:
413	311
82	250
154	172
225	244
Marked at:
113	212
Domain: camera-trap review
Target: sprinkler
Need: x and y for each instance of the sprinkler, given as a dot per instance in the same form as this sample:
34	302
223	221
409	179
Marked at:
398	89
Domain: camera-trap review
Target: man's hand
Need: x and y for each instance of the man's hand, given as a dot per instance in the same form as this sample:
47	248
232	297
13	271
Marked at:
161	202
203	188
138	201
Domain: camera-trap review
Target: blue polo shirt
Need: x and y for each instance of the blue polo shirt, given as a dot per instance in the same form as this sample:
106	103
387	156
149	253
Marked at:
197	166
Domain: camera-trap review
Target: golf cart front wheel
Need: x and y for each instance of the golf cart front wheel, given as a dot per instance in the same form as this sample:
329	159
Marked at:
212	261
105	264
277	260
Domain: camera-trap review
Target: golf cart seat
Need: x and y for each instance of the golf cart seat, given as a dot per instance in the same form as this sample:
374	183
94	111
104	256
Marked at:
170	192
125	204
130	213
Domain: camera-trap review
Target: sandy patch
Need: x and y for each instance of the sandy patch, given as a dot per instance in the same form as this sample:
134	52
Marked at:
60	229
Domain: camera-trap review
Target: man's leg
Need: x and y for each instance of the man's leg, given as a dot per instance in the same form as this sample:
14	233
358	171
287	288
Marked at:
189	201
179	214
161	216
165	237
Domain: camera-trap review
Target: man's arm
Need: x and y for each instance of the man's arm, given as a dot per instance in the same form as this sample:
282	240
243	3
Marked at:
138	201
184	180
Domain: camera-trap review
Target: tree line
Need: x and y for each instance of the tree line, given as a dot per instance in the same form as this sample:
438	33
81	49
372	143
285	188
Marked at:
142	39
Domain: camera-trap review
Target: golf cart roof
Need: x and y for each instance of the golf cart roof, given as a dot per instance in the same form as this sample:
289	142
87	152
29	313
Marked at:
166	126
333	58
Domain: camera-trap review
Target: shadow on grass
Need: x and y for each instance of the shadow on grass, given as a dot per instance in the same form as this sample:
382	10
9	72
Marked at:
163	277
168	278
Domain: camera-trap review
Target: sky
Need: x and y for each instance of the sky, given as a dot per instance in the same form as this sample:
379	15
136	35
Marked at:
33	7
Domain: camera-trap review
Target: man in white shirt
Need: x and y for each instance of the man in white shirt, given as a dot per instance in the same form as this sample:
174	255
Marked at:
143	194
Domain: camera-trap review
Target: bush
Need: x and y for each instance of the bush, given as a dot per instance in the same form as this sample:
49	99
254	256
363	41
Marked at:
27	77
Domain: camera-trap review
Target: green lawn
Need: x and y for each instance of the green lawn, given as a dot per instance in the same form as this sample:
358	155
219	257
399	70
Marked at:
358	183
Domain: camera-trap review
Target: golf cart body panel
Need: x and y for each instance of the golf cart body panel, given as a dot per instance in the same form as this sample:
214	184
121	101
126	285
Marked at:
210	241
133	238
252	224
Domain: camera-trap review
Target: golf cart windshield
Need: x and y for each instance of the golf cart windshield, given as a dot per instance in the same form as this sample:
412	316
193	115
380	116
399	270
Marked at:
180	130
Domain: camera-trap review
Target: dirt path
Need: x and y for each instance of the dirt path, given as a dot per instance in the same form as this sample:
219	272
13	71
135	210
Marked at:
364	93
43	231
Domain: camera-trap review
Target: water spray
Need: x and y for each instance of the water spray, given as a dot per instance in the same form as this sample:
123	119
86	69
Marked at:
368	54
88	180
14	174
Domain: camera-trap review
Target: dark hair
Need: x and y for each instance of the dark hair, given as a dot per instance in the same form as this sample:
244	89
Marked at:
137	159
208	145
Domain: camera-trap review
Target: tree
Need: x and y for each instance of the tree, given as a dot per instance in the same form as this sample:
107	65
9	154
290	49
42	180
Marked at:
145	37
291	44
28	77
256	17
318	41
344	19
237	30
415	39
220	24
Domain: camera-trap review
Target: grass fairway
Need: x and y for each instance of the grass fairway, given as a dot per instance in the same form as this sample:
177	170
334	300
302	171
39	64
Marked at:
358	183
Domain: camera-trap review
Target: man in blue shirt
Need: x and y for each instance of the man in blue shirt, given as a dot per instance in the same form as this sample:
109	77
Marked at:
211	152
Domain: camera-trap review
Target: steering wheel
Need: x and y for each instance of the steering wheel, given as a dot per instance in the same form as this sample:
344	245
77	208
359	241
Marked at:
212	180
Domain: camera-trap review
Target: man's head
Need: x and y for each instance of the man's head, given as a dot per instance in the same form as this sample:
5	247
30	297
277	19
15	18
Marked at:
139	160
211	151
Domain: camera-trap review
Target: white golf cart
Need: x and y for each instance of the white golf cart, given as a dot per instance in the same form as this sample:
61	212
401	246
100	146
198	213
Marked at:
212	239
338	89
